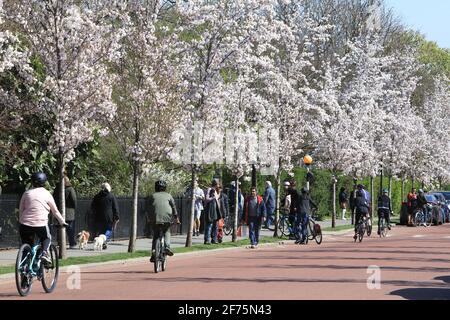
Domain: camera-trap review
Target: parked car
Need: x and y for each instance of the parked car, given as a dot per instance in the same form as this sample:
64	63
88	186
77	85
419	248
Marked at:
444	204
434	207
446	194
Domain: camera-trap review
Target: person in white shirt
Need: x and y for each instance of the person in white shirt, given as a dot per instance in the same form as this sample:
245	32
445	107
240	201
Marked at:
199	197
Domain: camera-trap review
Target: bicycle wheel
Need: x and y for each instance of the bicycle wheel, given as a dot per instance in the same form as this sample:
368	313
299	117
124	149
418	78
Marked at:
429	219
383	228
318	232
271	226
228	225
164	262
50	273
369	227
312	233
361	232
418	219
157	263
284	227
23	277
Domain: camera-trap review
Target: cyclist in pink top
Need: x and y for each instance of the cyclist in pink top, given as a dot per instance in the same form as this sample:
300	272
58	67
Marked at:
35	206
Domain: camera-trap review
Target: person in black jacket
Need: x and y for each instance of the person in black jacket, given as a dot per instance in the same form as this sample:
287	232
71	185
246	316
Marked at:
384	209
71	207
362	208
106	212
343	201
303	212
293	210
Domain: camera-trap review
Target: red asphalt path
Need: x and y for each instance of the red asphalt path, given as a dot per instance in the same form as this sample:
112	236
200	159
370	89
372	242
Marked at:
414	264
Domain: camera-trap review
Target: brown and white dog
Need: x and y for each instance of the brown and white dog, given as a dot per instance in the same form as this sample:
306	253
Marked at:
83	238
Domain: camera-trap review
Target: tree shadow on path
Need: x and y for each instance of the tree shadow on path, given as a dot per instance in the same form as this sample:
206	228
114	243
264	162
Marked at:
426	293
423	294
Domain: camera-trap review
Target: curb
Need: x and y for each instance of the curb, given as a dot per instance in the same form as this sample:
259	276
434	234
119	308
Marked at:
10	276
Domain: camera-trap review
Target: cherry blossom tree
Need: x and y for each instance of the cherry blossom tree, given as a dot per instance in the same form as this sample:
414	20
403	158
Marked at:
218	37
292	72
146	91
435	115
17	83
70	39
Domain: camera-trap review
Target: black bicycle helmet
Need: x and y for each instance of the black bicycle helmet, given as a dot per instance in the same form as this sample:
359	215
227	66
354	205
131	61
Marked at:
39	179
160	185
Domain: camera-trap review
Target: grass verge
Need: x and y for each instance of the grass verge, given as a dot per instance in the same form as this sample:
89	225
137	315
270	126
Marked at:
142	254
338	228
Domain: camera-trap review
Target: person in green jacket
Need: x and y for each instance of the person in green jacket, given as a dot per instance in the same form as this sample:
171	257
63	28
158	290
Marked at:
162	212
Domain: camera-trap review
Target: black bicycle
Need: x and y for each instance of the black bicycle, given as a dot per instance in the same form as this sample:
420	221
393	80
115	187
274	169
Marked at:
228	224
364	226
285	227
314	229
383	227
160	263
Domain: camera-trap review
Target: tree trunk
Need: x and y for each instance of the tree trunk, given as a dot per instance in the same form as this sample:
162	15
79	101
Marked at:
277	205
403	190
412	182
355	182
192	211
381	181
62	205
372	191
133	228
254	180
390	187
333	219
236	211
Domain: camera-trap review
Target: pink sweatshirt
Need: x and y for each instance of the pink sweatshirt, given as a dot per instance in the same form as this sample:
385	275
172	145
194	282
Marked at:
35	206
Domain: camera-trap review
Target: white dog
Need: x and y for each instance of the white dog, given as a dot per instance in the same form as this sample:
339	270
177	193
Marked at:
83	238
99	242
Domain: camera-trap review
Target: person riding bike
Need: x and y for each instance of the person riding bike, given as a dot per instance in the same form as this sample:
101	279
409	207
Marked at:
422	202
304	211
362	209
161	212
35	206
384	210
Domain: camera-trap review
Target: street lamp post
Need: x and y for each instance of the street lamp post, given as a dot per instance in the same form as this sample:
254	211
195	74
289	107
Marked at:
307	160
333	219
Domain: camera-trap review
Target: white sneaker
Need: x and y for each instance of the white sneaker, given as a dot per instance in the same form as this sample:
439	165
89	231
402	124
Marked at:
45	258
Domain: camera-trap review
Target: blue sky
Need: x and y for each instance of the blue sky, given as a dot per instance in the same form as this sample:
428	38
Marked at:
430	17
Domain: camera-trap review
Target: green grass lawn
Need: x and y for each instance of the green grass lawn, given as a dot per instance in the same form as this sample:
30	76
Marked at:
338	228
142	254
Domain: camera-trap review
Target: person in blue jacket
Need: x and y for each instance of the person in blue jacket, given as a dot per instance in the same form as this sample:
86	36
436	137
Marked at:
254	214
269	201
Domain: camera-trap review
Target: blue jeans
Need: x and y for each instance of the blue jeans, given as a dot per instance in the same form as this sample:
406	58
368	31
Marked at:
270	217
302	226
254	225
211	232
293	222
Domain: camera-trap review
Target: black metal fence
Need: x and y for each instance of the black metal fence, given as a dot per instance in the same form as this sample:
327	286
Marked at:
9	212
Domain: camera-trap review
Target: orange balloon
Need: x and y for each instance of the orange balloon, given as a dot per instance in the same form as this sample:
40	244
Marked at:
307	160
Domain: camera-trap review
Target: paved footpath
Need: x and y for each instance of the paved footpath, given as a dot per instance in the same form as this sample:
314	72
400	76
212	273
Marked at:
413	264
